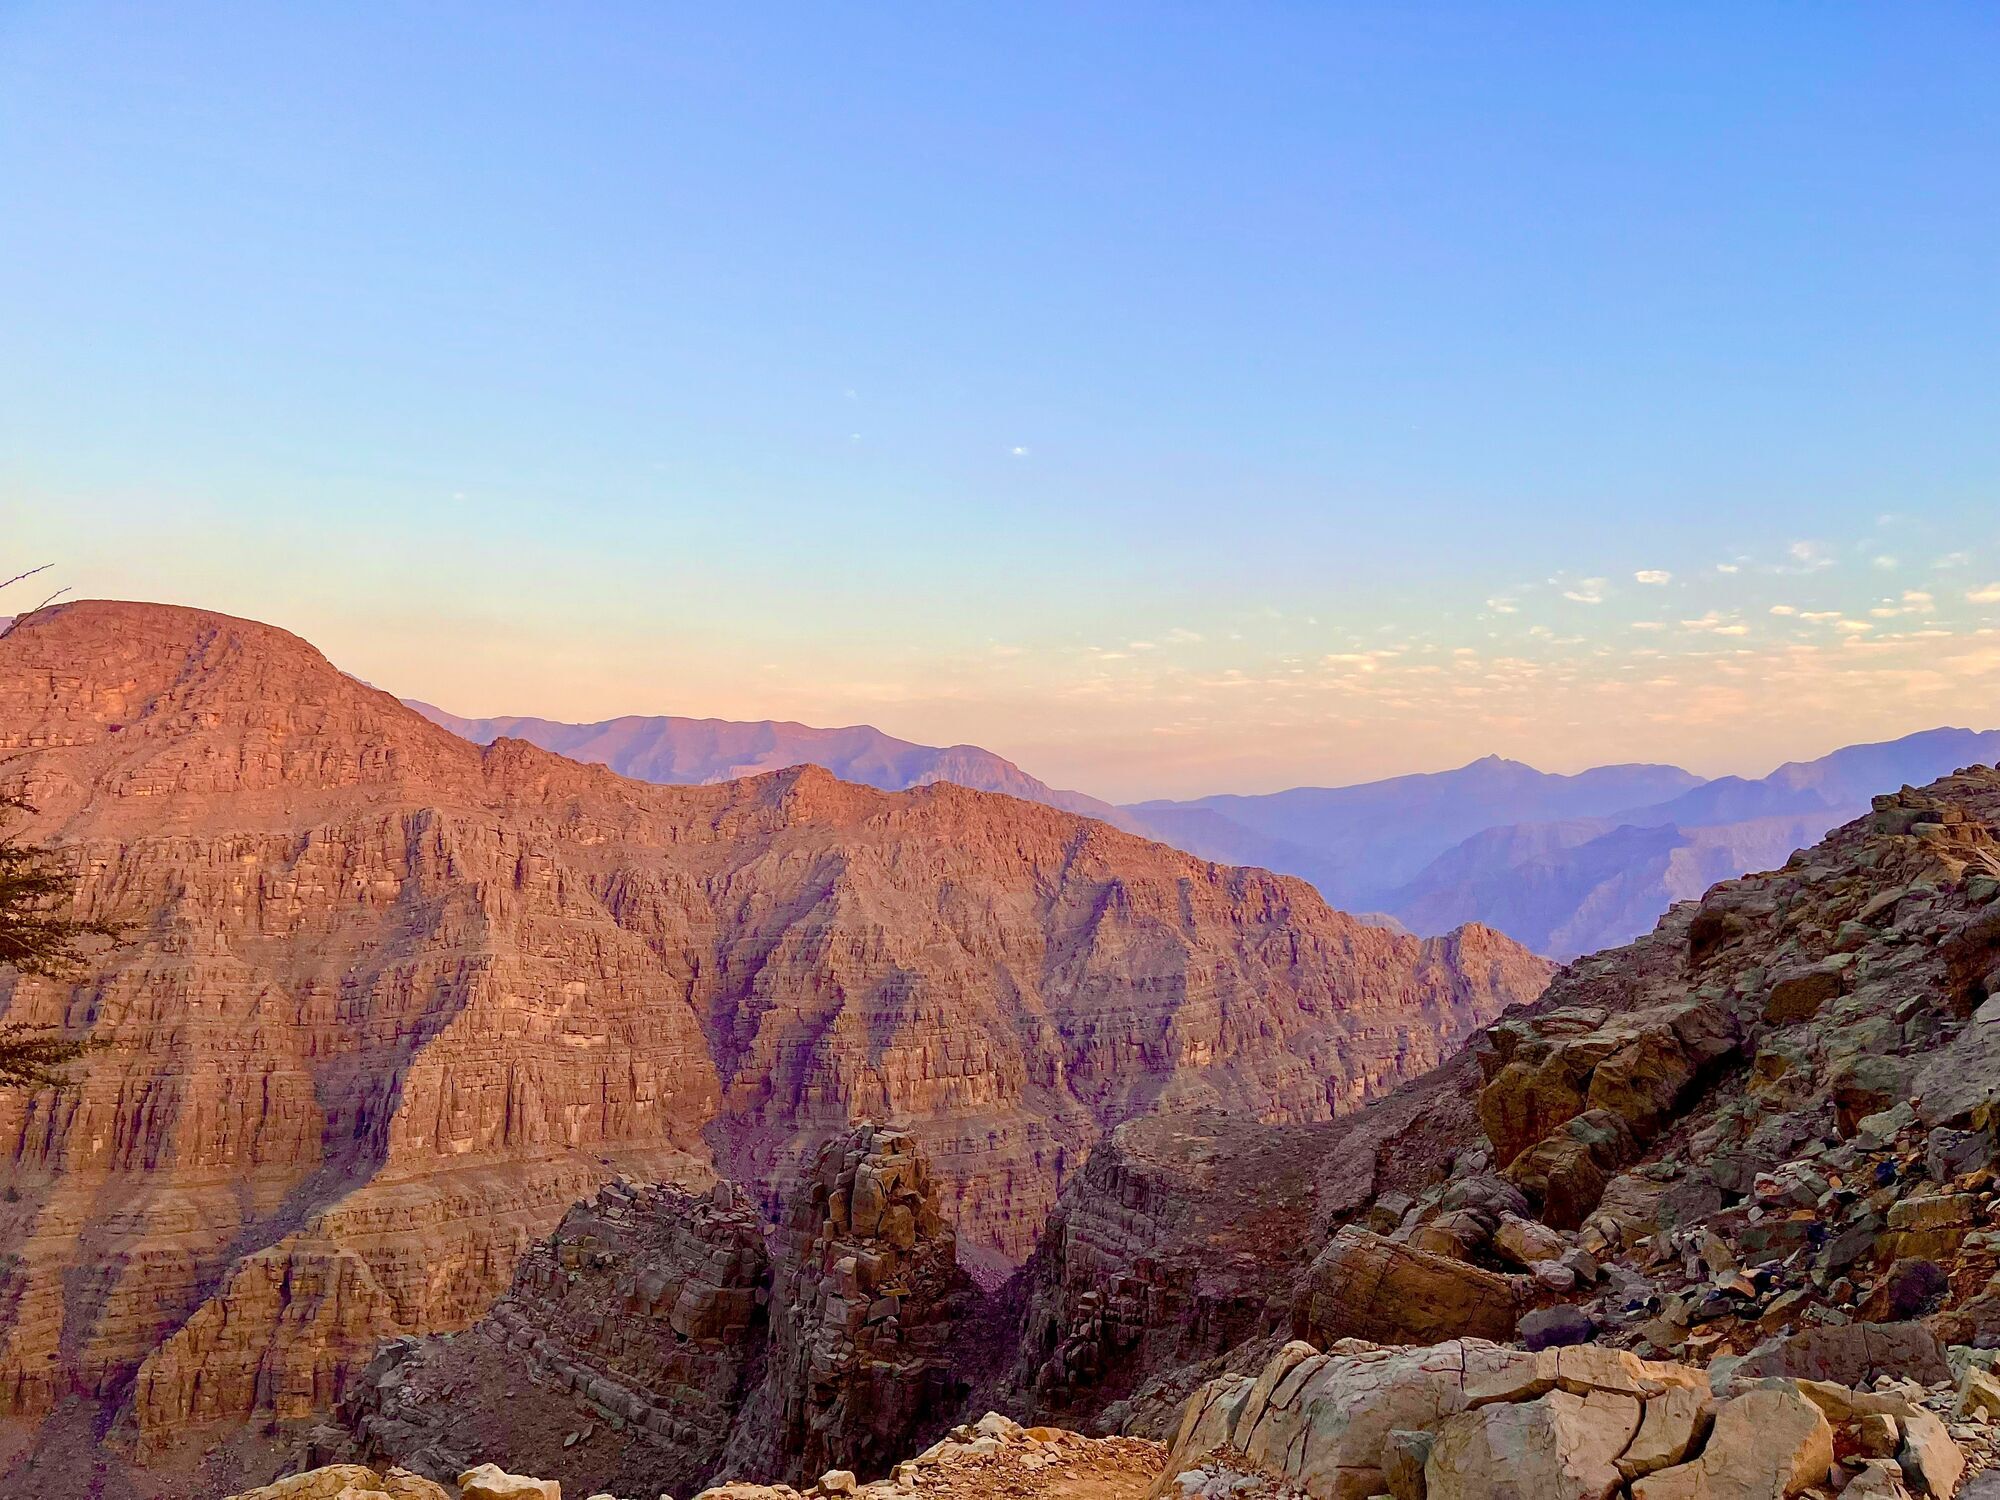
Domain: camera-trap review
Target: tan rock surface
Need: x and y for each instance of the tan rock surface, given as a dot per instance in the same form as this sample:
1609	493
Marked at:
392	1002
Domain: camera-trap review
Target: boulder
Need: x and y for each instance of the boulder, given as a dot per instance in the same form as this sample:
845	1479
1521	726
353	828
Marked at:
1523	1242
1556	1447
1932	1464
1554	1327
1567	1171
1672	1427
490	1482
1322	1423
1851	1354
1364	1286
1766	1443
348	1482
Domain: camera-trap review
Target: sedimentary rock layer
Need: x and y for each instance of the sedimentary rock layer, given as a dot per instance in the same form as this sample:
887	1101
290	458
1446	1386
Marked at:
390	1002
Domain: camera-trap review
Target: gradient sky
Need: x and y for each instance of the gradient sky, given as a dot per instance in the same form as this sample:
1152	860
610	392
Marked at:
1172	398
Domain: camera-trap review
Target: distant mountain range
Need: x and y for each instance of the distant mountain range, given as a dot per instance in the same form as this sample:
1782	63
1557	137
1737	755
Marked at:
1563	864
697	752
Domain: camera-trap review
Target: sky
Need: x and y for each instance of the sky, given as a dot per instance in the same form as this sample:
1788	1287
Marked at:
1172	398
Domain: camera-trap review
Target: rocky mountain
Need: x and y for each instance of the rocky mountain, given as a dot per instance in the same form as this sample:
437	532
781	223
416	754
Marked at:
694	752
389	1003
1574	886
1718	1215
1364	842
1563	864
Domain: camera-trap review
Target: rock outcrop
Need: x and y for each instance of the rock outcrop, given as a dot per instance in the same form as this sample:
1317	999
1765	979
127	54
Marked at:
389	1003
868	1298
621	1356
1468	1418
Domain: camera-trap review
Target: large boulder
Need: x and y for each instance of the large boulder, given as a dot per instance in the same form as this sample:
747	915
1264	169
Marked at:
1323	1422
1556	1447
491	1482
348	1482
1367	1287
1766	1444
1850	1354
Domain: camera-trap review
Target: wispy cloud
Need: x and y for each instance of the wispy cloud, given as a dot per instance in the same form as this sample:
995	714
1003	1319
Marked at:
1654	576
1587	590
1988	595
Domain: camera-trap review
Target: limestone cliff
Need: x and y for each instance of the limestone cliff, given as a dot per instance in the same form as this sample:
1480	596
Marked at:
391	1002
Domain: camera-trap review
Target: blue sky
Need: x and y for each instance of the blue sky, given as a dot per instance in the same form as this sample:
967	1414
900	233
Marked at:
1173	398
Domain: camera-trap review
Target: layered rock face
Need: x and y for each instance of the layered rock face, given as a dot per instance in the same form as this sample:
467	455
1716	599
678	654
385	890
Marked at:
391	1002
657	1341
621	1355
869	1297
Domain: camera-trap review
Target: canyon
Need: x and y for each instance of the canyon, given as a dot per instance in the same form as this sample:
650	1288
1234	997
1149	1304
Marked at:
387	1004
1717	1215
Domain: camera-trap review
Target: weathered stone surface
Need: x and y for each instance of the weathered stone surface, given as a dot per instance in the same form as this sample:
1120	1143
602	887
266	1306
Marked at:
1851	1354
1322	1422
1675	1423
1367	1287
867	1293
491	1482
1766	1444
349	1482
1558	1446
392	1002
647	1304
1932	1464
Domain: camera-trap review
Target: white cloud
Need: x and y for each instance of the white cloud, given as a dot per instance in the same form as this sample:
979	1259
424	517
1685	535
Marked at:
1183	637
1886	562
1853	627
1783	609
1653	576
1017	452
1502	606
1728	568
1588	591
1919	601
1988	595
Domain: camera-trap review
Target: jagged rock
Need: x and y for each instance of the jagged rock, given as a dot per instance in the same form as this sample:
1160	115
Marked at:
490	1482
845	1387
1852	1354
646	1304
1364	1286
348	1482
1675	1424
1765	1444
1932	1464
1978	1394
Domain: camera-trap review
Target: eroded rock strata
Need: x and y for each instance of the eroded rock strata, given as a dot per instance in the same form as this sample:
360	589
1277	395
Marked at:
390	1003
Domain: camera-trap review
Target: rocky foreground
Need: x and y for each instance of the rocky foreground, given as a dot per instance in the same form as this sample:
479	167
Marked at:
1462	1420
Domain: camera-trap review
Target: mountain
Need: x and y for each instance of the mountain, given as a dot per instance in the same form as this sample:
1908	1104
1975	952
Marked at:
1360	843
388	1002
1562	864
1572	887
1713	1216
695	752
